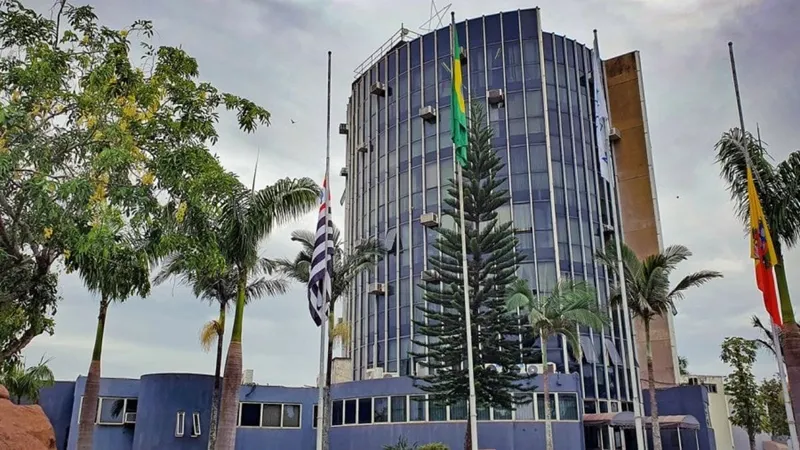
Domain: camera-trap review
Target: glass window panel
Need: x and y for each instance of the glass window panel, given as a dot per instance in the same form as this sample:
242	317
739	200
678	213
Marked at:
291	416
547	276
483	413
523	410
365	410
250	415
338	412
530	51
502	414
533	102
568	406
399	408
458	410
271	417
522	216
540	406
437	411
350	412
381	410
417	408
111	411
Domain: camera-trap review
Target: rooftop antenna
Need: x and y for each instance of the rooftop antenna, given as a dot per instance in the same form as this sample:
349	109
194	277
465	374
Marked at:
437	15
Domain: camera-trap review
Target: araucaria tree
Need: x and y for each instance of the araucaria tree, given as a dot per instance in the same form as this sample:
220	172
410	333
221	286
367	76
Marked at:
747	406
491	266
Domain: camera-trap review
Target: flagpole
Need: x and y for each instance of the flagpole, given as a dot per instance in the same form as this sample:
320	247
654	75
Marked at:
787	401
473	408
323	328
633	374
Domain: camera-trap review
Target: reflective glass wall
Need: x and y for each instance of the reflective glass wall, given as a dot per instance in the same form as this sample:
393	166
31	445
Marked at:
399	165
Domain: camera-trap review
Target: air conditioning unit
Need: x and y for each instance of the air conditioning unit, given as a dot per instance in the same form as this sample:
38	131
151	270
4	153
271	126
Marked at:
428	113
430	220
390	375
463	54
420	370
343	172
536	369
378	89
375	373
342	128
130	417
377	289
363	148
614	135
495	96
430	276
494	367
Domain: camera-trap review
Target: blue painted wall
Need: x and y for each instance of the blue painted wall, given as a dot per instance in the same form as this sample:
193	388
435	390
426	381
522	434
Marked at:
684	400
57	401
161	396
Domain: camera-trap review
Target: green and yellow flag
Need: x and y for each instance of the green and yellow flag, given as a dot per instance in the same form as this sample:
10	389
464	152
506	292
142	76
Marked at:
458	116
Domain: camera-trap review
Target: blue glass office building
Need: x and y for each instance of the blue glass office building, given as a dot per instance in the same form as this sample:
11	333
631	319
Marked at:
536	87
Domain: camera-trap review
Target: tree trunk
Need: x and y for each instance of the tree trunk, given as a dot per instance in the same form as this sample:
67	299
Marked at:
548	424
651	381
91	391
326	390
212	428
468	436
751	438
232	381
791	337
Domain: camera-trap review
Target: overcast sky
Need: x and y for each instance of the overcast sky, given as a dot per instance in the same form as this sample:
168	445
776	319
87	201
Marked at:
274	52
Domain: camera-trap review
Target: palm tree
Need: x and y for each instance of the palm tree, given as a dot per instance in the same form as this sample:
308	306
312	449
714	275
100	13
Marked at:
346	265
26	382
246	218
570	305
650	297
778	188
683	365
218	288
767	337
116	265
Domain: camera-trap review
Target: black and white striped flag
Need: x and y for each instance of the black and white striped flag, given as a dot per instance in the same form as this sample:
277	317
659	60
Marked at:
321	271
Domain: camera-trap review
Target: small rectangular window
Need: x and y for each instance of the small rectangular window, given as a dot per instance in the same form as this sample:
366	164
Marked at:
399	409
380	410
523	406
417	408
501	414
350	412
291	416
337	415
180	423
314	417
567	406
195	424
250	415
271	416
365	410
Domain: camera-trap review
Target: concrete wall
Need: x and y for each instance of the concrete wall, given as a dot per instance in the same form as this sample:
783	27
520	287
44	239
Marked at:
57	401
684	400
638	202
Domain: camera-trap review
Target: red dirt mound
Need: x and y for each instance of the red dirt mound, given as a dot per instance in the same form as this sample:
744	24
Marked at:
24	427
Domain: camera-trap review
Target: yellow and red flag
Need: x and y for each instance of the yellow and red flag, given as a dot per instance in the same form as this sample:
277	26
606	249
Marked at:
763	252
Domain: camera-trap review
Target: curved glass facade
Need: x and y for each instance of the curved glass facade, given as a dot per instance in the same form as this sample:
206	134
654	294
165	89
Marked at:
398	167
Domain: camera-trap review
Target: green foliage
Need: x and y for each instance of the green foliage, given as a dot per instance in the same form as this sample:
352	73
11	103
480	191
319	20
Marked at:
491	265
347	264
647	280
98	155
747	408
24	383
434	446
402	444
683	365
775	422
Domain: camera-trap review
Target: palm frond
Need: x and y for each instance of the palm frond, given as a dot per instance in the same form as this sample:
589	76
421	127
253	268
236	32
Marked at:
209	333
266	287
692	280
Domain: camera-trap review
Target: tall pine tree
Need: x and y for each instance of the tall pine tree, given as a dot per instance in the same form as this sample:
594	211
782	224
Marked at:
492	265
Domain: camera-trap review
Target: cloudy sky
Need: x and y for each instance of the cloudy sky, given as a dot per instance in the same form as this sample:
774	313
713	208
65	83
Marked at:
274	52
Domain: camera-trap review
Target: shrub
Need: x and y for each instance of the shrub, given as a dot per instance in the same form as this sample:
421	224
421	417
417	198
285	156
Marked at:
402	444
434	446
